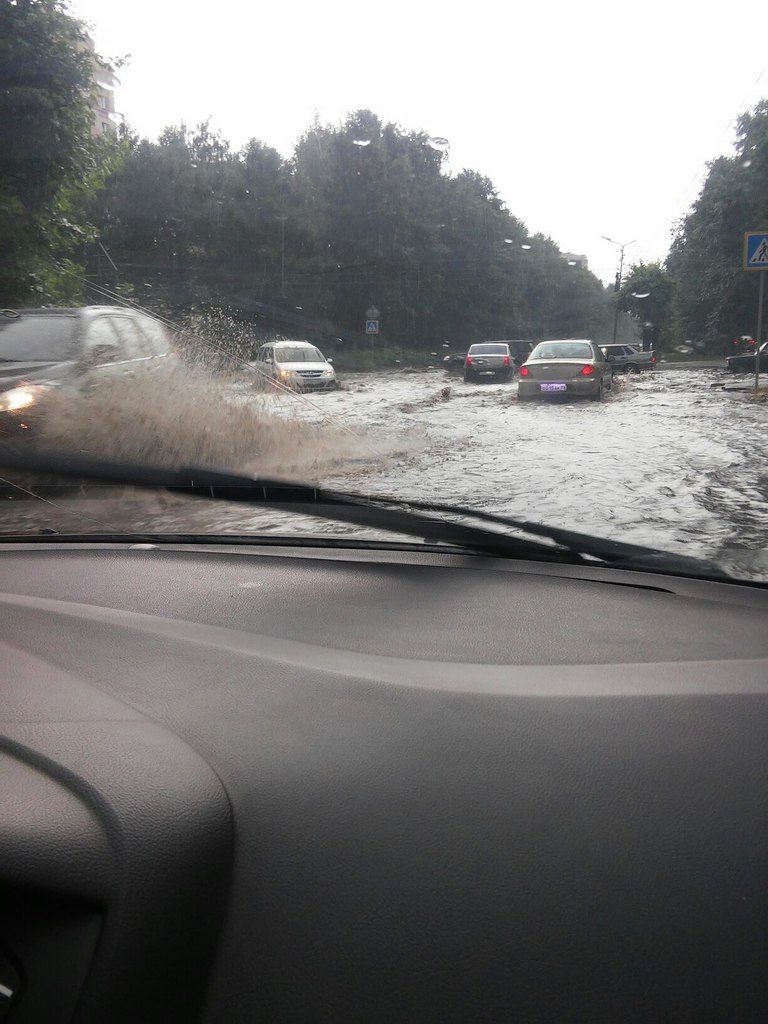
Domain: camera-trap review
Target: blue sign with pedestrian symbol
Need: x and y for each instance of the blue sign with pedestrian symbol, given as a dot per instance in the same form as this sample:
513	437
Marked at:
371	326
756	250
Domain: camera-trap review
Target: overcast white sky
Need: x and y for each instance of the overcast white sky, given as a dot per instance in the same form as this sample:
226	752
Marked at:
592	118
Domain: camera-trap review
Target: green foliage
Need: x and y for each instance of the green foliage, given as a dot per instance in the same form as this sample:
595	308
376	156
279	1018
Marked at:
49	162
361	214
714	299
647	295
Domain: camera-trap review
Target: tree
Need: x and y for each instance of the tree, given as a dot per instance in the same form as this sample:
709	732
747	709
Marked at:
647	295
49	161
363	214
714	299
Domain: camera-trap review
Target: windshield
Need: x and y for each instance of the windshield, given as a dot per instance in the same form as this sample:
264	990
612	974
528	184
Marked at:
41	338
489	350
418	188
563	350
296	354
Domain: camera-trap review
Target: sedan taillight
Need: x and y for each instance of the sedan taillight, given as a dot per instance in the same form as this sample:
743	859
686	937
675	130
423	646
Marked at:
587	371
506	360
469	360
524	371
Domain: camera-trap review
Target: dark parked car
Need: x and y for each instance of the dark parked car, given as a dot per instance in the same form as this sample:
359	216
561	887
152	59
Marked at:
454	361
71	349
745	363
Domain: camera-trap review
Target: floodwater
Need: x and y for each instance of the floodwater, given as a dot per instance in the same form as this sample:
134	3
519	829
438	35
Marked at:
666	460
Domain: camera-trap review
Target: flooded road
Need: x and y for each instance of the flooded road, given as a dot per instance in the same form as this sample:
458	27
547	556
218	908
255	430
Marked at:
666	460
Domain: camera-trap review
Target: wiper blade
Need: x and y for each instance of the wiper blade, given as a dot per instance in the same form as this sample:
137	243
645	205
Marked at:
395	515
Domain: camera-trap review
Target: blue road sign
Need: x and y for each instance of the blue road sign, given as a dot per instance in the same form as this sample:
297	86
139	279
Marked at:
371	326
756	250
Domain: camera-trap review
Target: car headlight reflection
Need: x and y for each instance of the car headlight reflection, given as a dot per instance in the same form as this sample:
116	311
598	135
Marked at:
22	397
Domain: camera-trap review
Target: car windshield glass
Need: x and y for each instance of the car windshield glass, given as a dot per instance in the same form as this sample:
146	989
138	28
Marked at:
381	210
564	350
37	338
297	354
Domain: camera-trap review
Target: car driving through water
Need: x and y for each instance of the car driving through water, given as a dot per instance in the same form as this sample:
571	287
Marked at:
67	351
576	368
295	364
489	360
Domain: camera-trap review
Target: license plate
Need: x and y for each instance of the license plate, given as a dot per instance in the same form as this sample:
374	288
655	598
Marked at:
553	387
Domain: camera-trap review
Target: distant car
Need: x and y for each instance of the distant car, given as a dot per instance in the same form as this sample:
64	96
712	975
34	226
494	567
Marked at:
454	361
576	368
520	350
489	359
745	363
627	359
70	350
296	364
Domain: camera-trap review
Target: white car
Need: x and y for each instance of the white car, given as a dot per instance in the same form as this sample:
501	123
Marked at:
297	364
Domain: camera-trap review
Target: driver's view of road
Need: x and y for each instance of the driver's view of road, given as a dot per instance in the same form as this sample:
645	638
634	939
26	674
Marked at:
666	460
383	512
669	459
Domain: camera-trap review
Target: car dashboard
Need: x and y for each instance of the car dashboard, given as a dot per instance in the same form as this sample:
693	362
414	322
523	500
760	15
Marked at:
285	783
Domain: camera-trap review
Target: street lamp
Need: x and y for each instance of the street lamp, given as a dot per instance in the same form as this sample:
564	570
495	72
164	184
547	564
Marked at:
282	218
622	246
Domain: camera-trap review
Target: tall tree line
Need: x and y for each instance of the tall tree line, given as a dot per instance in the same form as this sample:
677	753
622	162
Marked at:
362	214
701	299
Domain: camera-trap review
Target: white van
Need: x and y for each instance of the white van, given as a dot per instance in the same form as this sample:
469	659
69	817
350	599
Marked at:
297	364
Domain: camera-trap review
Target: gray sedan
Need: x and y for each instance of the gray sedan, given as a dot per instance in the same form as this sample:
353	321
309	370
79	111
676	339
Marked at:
575	368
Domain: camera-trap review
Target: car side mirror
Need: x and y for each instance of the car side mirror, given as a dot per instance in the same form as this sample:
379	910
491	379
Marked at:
329	361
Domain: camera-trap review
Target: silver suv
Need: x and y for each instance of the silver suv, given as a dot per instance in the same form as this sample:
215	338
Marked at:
489	359
296	364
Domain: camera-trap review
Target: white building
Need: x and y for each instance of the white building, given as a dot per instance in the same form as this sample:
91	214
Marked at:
102	97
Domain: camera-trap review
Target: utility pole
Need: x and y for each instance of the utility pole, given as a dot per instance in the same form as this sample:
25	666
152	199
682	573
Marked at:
282	218
617	287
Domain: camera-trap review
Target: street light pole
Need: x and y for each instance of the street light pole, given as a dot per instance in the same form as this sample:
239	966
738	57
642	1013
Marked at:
622	246
282	218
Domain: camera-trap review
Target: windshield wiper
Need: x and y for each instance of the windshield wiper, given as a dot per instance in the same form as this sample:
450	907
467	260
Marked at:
395	515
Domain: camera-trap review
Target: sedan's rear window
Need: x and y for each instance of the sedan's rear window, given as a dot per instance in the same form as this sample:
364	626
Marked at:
563	350
488	350
37	338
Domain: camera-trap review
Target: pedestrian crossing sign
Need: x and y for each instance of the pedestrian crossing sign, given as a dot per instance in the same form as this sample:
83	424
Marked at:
756	250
